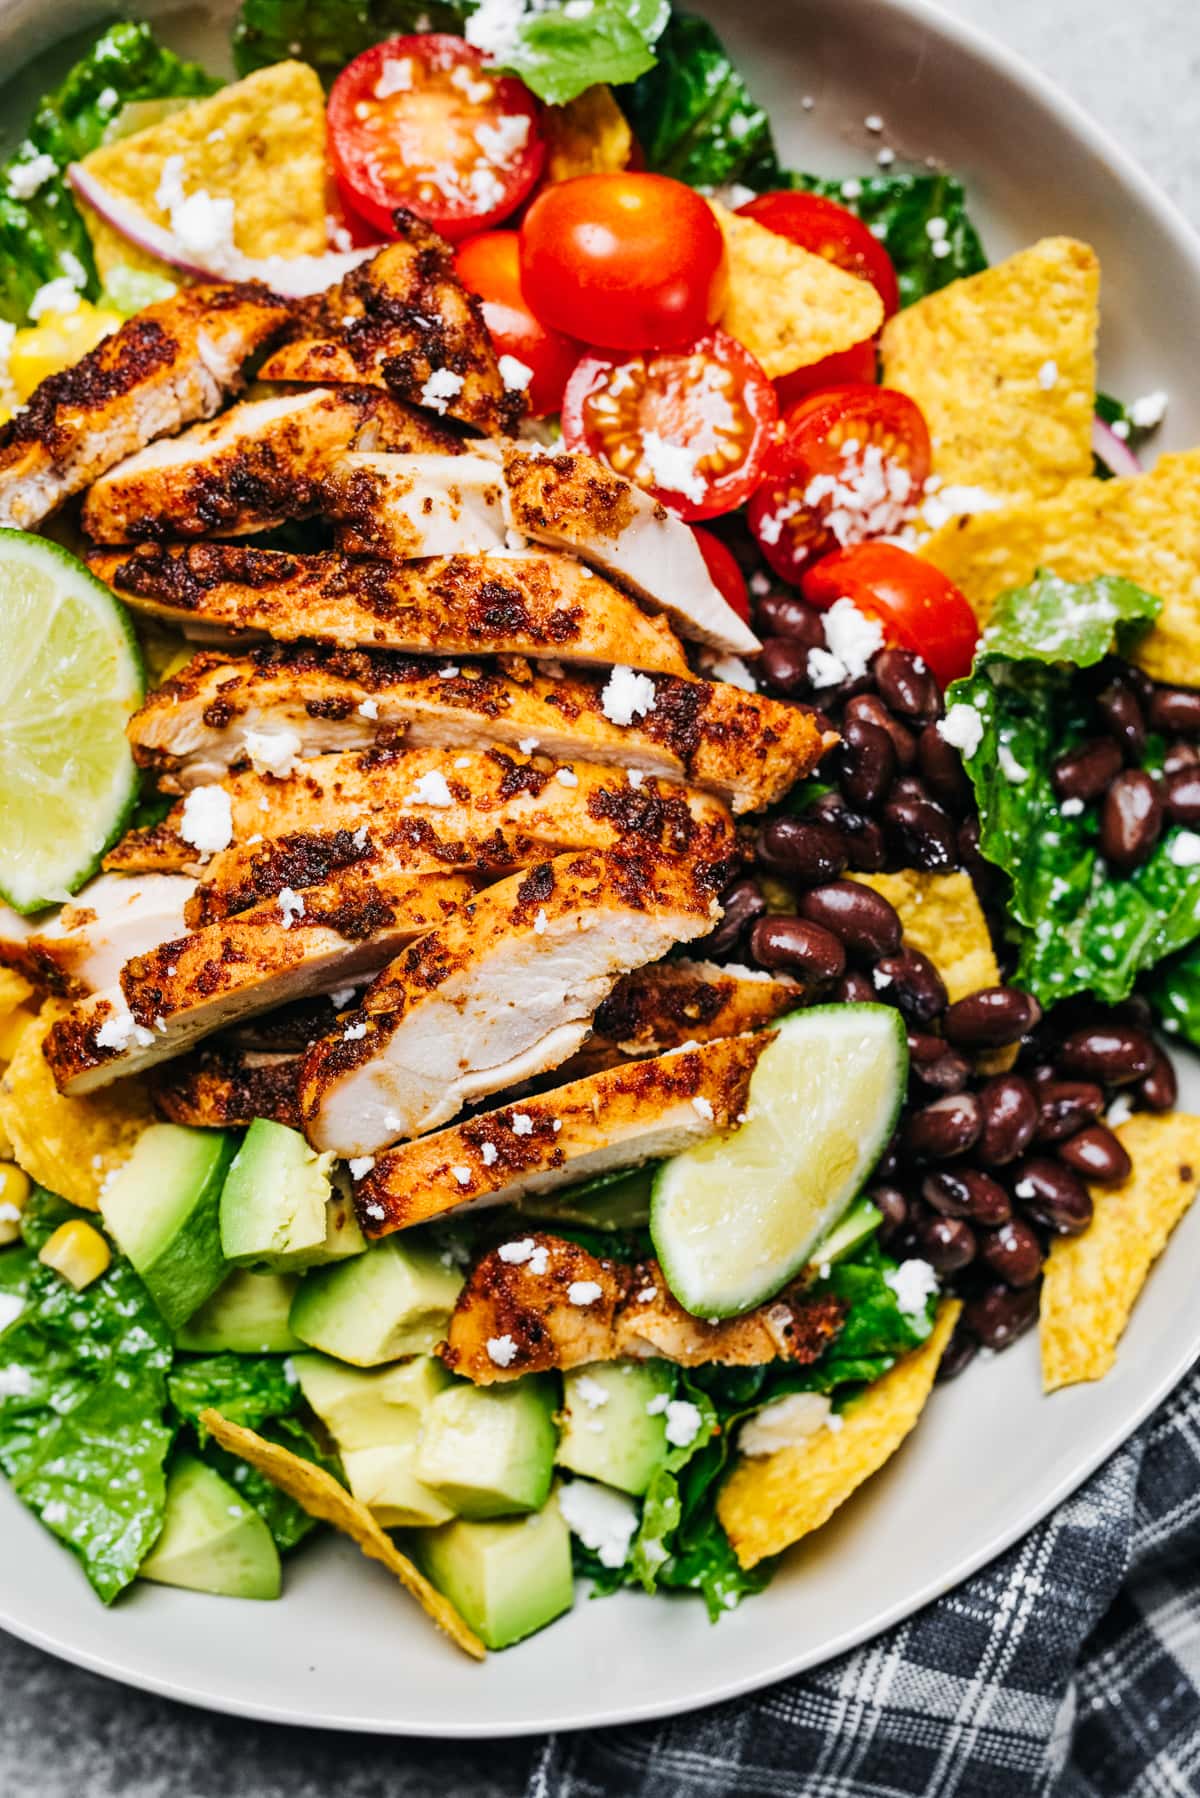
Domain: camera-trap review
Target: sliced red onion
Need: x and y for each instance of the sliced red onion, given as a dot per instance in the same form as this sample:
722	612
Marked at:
295	277
1115	454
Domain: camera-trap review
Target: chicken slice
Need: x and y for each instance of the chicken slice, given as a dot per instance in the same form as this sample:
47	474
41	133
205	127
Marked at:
618	1118
221	1087
286	949
505	990
83	948
541	1302
744	747
403	506
405	322
254	466
167	366
527	604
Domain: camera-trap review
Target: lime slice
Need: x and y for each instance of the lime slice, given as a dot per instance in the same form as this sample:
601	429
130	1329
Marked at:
69	679
737	1216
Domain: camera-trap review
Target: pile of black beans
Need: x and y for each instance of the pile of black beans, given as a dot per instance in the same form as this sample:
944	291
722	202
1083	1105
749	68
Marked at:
1002	1130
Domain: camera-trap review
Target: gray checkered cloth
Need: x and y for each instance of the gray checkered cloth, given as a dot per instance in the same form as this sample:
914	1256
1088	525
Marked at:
1070	1666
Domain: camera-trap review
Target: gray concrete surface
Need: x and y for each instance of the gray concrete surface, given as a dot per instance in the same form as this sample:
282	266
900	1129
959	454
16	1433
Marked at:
66	1734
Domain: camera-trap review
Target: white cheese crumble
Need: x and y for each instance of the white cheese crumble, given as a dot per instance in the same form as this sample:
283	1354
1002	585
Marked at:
962	728
1071	808
369	709
873	122
539	922
517	1253
852	640
450	672
626	696
397	77
354	1033
672	466
361	837
431	789
703	1107
502	1350
527	745
914	1284
522	1124
59	295
1047	375
584	1292
515	374
605	1521
1184	849
590	1391
360	1166
567	777
501	141
442	386
464	80
658	1404
26	178
488	1153
207	822
11	1307
683	1422
1010	767
341	996
1149	410
870	495
635	777
784	1423
734	672
273	751
291	907
201	223
942	503
123	1032
15	1382
462	1175
1119	1112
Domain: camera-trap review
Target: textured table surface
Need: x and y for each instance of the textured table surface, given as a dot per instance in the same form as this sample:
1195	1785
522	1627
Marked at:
66	1734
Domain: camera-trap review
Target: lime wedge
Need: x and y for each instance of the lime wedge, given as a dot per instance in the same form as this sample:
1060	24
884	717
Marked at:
70	677
737	1216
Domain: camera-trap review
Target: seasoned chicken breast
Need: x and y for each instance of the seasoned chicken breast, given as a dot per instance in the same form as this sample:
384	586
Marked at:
503	991
169	365
403	321
403	506
84	946
662	1007
527	604
744	747
221	1087
254	466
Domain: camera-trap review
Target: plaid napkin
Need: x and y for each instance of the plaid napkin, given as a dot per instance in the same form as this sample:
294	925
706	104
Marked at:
1071	1666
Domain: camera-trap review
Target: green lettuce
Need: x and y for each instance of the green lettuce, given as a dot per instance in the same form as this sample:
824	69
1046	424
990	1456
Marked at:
330	33
693	115
1174	992
899	208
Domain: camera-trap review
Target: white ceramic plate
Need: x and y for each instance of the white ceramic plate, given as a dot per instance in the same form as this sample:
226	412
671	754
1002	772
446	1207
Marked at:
345	1649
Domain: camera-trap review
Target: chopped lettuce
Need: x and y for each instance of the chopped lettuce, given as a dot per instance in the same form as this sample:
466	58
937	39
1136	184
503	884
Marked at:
1174	993
899	210
330	33
693	116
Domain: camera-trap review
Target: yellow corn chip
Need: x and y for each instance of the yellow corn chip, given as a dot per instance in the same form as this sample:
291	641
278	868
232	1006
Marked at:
318	1493
789	307
259	143
590	135
14	990
1092	1281
1146	527
770	1501
1003	365
69	1145
942	917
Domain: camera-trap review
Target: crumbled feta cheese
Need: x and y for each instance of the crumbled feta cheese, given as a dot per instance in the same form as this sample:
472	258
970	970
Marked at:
341	995
369	709
291	907
207	821
273	751
59	295
463	79
1010	767
784	1423
354	1033
605	1521
635	777
11	1303
1047	375
683	1422
1071	808
914	1284
1119	1112
851	189
1149	410
941	246
703	1107
567	777
396	78
590	1391
462	1175
853	639
488	1153
501	141
943	503
522	1124
442	386
584	1292
873	122
646	1295
1184	850
885	157
26	178
962	728
122	1031
450	672
431	789
15	1382
527	745
501	1349
539	922
202	224
734	672
936	228
870	495
515	374
361	837
626	696
360	1166
880	979
672	466
517	1253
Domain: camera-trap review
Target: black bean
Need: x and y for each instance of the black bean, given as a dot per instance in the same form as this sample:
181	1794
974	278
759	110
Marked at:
1178	756
889	1161
992	1018
906	685
1013	1252
919	833
1053	1195
965	1192
1182	795
1098	1155
1112	1054
1085	771
1065	1106
1159	1089
854	989
1010	1115
1137	678
959	1352
871	710
865	763
743	902
1176	711
910	981
947	1243
783	665
866	922
998	1315
806	851
1121	714
942	770
862	837
946	1128
937	1067
797	946
784	615
1131	819
891	1202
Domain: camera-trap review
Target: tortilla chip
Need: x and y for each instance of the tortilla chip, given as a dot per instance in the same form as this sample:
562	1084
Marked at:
1146	527
14	990
69	1145
789	307
590	135
318	1493
942	917
770	1501
1003	365
259	142
1092	1281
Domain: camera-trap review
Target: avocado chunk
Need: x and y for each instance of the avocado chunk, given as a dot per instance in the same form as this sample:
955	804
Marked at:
505	1579
609	1431
211	1539
279	1208
162	1209
246	1315
393	1301
851	1229
374	1419
489	1450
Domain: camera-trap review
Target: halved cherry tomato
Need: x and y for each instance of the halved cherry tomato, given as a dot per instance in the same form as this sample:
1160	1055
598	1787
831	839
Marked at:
724	572
420	122
919	608
490	266
829	230
692	426
857	367
632	262
850	464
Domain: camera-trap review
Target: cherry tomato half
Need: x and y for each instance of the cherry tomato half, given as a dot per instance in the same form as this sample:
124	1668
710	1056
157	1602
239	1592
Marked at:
420	122
850	464
490	266
857	367
724	572
692	426
919	608
829	230
632	262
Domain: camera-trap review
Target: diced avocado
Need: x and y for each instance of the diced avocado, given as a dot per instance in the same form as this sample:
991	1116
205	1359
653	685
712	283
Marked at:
246	1315
162	1208
211	1539
393	1301
859	1222
368	1410
275	1208
609	1431
384	1480
343	1238
489	1450
505	1579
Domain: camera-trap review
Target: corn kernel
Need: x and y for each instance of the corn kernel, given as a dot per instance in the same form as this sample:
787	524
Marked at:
15	1188
78	1252
12	1026
57	341
778	895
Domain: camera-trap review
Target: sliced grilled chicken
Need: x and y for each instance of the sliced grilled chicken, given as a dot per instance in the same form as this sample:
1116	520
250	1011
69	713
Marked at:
171	364
673	1003
541	1301
403	321
83	948
505	990
221	1087
412	505
286	949
529	604
618	1118
741	746
256	465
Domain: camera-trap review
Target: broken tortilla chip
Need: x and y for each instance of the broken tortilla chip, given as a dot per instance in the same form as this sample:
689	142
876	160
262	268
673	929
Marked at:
14	990
1092	1281
1003	365
942	917
590	135
318	1493
788	307
68	1145
1145	527
770	1501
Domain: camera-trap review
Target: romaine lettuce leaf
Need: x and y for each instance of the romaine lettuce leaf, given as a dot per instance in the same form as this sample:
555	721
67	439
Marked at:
898	209
1174	993
693	115
330	33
